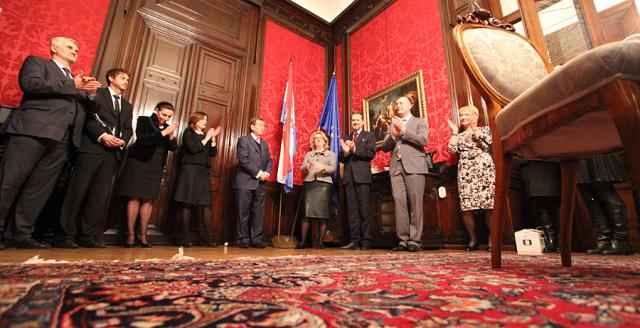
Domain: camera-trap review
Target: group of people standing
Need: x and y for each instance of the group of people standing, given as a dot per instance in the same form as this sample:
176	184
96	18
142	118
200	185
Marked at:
409	164
59	112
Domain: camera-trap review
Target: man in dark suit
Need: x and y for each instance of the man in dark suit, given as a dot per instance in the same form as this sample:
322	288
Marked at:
357	152
407	168
50	116
254	168
105	136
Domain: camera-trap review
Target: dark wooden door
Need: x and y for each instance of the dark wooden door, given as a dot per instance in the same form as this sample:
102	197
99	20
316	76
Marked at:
199	56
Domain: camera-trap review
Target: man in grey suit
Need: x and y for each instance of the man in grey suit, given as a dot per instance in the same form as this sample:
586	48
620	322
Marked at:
407	168
357	152
254	168
50	118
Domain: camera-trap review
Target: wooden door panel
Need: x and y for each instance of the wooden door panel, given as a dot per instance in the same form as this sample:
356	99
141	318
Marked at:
216	84
195	54
214	19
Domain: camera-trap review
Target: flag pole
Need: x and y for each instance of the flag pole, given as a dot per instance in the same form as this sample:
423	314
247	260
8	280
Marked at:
280	209
279	241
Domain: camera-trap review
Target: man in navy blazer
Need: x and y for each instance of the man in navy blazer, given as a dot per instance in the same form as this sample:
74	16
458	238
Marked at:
254	168
105	136
357	152
49	118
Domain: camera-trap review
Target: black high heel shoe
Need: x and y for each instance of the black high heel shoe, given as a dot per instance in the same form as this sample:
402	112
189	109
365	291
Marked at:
472	247
300	245
143	244
132	245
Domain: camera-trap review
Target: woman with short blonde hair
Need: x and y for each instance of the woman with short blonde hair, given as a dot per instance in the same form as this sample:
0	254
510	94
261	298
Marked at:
476	172
318	166
318	134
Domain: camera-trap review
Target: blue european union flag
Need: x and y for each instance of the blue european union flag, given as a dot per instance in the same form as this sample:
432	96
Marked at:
330	123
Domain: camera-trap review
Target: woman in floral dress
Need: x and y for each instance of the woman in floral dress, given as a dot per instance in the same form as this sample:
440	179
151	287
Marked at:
476	172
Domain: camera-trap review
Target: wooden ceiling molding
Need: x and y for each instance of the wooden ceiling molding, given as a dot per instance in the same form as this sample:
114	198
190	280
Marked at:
293	16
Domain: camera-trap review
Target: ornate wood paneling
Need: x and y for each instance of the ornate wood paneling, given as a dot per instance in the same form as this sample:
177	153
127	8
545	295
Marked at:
298	19
223	21
199	55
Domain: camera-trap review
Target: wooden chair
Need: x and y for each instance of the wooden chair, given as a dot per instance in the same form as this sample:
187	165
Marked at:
589	106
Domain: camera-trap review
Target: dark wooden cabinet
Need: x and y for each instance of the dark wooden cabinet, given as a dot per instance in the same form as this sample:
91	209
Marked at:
442	220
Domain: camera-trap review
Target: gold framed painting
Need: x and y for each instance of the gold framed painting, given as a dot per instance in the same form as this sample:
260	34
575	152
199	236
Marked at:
379	107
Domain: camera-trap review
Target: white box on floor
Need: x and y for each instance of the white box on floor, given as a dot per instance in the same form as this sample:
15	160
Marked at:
529	241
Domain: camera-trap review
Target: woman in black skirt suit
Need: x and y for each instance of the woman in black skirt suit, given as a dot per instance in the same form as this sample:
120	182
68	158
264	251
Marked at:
193	188
317	167
144	168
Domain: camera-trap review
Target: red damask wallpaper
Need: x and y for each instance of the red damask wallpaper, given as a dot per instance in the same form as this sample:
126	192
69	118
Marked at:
28	26
309	74
403	39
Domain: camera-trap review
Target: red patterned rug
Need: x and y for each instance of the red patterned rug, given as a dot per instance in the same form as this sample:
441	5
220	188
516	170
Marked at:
405	290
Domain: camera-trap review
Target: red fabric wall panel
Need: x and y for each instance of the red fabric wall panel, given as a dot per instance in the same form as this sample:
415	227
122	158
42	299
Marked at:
309	74
403	39
28	26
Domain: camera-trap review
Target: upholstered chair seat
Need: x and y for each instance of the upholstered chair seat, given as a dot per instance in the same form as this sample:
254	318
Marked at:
592	133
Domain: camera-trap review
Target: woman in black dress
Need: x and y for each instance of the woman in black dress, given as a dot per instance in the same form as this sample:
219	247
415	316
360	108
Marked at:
193	188
317	167
144	168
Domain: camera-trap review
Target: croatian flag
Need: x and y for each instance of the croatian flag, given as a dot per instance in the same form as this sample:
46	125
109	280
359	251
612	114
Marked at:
288	144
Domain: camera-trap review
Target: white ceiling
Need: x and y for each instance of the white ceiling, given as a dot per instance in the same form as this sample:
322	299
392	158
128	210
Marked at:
325	9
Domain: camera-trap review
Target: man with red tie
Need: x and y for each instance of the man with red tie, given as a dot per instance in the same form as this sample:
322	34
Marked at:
357	152
49	118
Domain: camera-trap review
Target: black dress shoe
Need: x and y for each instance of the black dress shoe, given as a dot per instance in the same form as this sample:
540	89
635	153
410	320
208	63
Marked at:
31	244
91	244
320	245
350	246
413	248
1	245
65	244
258	245
365	247
129	245
300	245
243	245
399	248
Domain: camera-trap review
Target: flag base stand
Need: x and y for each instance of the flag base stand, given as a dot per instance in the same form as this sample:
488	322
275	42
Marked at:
284	241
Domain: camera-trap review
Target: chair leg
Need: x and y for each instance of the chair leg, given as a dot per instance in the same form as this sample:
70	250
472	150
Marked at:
503	167
567	205
623	101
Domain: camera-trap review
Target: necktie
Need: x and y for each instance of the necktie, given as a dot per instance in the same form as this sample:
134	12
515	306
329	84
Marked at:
116	106
404	123
116	103
67	73
355	136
